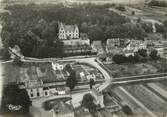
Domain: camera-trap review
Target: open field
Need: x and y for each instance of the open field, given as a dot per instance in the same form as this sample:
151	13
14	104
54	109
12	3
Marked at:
155	13
136	108
149	99
150	67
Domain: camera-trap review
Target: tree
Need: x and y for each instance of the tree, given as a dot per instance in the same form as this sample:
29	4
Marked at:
71	80
88	103
154	55
127	110
43	25
119	58
68	68
17	61
121	8
84	27
147	27
5	54
157	3
131	59
96	33
91	82
127	30
165	23
142	52
59	48
133	13
15	100
161	28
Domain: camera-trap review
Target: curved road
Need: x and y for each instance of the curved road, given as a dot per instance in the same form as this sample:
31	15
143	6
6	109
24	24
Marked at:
88	60
76	98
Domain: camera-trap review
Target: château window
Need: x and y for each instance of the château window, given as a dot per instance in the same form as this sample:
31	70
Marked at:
31	95
38	94
46	93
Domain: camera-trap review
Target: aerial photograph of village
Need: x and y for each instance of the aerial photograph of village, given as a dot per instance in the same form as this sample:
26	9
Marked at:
83	58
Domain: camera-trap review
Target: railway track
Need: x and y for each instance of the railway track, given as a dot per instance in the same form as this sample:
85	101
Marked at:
141	78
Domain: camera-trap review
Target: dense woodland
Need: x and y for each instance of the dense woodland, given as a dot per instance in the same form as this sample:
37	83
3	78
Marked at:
158	3
35	27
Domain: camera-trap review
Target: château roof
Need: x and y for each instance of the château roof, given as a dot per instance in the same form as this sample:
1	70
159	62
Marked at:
68	28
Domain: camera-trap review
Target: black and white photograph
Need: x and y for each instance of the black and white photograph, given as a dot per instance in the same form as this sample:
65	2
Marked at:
83	58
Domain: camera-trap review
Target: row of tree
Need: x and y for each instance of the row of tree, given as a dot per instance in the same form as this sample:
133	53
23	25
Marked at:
162	29
140	56
15	101
158	3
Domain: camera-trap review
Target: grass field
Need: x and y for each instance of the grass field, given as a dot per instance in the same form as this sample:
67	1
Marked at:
150	67
156	13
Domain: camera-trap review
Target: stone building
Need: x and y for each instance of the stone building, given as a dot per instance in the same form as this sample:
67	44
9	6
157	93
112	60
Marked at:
68	31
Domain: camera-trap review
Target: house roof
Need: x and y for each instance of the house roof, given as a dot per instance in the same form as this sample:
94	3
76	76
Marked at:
134	43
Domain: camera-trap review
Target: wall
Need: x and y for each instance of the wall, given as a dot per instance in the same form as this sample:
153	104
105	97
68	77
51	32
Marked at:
76	42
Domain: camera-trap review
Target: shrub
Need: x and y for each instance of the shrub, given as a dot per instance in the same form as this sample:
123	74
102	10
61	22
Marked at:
154	55
121	8
118	58
157	3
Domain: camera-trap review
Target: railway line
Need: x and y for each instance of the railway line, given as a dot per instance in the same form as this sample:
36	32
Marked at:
141	78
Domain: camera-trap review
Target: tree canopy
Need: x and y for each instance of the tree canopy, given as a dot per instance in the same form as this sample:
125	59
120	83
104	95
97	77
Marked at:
154	55
127	110
34	28
15	100
88	103
71	80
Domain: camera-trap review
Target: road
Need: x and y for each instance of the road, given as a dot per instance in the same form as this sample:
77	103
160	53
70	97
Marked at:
138	80
76	97
83	59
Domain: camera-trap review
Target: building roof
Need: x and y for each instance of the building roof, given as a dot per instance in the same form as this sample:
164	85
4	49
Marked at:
68	28
134	43
62	108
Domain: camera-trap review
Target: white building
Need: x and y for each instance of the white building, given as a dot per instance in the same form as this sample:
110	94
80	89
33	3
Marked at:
34	89
135	45
82	76
91	76
16	51
68	31
57	66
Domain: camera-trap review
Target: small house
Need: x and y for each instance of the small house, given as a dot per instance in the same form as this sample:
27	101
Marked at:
57	66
